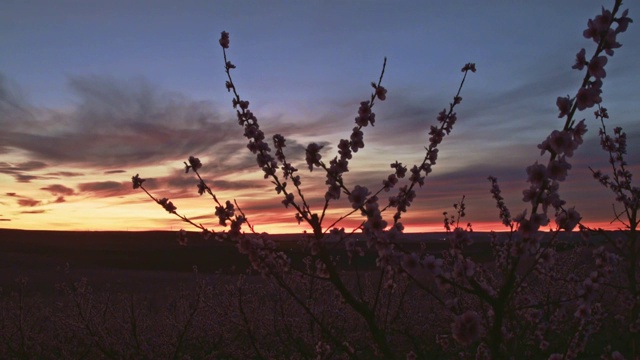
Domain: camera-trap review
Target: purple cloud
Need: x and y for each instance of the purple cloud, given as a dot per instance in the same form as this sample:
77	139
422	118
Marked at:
33	212
105	188
64	174
27	202
58	189
18	171
115	124
58	200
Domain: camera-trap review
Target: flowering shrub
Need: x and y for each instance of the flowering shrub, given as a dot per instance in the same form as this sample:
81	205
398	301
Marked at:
538	295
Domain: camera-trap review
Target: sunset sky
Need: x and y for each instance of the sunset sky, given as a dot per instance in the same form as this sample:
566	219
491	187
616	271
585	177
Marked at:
94	92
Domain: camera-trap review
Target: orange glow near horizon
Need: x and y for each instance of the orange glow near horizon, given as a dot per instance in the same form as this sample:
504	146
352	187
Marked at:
142	223
104	201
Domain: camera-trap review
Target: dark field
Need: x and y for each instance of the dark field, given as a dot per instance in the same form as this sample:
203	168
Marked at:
152	250
140	300
141	259
150	259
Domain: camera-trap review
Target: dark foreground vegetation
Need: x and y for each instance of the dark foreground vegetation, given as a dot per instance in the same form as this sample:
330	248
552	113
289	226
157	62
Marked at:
140	295
23	250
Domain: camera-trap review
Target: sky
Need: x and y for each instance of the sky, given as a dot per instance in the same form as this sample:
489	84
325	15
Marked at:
94	92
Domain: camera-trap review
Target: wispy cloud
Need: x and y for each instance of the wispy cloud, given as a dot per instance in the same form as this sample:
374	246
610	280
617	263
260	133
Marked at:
115	124
104	188
58	200
34	212
26	202
20	171
58	189
64	174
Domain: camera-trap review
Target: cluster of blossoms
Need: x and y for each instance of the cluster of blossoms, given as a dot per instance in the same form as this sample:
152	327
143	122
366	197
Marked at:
447	118
389	258
505	214
257	144
224	213
544	182
620	182
545	179
167	205
263	255
339	165
467	327
194	163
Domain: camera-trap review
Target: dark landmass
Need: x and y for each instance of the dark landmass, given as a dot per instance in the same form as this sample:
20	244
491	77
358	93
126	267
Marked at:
151	262
29	251
160	251
148	250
